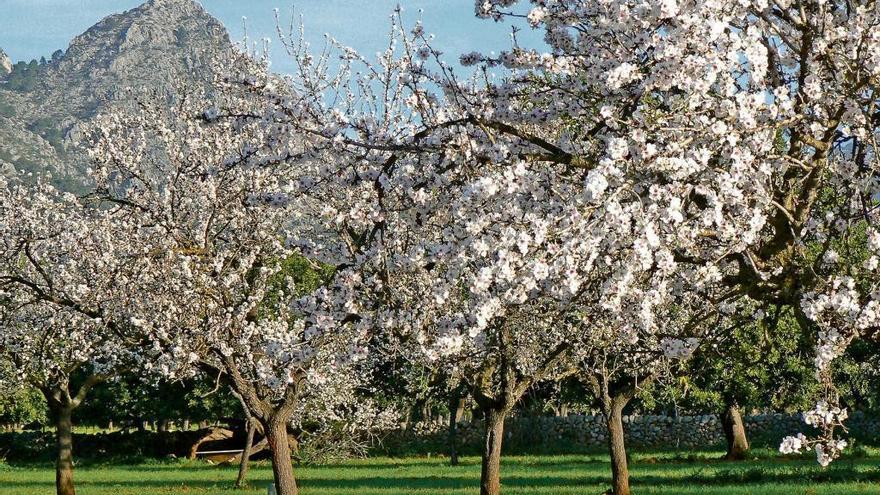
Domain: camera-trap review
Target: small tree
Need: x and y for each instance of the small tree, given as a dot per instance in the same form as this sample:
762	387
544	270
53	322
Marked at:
618	360
21	406
759	365
63	270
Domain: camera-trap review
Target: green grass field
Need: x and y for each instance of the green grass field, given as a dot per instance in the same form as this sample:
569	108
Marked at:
662	473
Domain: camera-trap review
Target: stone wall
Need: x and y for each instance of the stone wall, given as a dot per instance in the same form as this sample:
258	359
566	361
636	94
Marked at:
578	433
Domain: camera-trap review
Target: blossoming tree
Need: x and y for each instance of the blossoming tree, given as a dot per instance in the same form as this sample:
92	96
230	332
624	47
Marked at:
755	122
215	207
64	268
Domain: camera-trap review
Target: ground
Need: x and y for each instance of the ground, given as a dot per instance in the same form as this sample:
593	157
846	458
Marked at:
652	474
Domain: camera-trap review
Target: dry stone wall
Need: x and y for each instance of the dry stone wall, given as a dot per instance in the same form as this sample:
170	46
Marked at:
584	432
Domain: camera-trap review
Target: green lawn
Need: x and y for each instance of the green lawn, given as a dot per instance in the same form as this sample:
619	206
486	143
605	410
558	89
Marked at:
670	474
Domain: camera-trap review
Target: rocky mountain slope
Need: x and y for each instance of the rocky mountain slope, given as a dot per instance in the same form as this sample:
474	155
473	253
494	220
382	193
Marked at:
5	64
151	46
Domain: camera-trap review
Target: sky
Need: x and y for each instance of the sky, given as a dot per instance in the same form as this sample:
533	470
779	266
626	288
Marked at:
33	28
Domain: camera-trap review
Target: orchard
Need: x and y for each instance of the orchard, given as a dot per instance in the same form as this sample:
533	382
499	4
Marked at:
665	207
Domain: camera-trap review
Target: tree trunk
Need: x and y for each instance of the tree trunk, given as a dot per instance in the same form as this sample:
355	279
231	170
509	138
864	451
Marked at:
282	466
241	481
406	424
617	447
490	475
456	407
64	460
735	433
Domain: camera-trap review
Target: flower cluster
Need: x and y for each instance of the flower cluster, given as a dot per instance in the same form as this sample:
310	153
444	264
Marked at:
824	418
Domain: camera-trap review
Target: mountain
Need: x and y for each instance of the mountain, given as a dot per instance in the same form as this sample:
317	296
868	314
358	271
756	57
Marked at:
46	107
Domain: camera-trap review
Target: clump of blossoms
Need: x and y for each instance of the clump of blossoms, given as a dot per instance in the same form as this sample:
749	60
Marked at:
841	315
826	419
679	348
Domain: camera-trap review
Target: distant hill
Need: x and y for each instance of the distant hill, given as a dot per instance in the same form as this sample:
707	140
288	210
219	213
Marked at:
46	105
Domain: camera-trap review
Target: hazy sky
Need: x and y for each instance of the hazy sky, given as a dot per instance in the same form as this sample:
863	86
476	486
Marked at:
33	28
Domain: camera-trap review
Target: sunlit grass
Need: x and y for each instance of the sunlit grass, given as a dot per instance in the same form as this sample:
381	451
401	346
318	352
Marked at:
667	473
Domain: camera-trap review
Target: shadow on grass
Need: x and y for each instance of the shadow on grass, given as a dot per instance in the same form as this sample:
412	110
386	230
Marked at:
732	477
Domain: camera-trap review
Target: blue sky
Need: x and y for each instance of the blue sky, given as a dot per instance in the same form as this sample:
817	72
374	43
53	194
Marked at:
33	28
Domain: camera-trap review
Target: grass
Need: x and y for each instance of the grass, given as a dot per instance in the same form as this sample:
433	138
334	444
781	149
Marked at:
657	473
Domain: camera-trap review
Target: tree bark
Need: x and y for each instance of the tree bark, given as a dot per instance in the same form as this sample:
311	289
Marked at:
62	404
617	447
456	407
406	424
282	466
241	481
64	441
461	409
735	433
490	474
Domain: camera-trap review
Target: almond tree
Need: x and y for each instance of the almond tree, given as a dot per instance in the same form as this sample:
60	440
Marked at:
754	122
64	266
215	205
617	361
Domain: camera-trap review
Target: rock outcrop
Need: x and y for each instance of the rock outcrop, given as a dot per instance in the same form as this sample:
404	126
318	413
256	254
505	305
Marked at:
5	63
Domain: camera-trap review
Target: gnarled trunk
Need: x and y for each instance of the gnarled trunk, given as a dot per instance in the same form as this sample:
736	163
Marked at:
735	433
617	446
490	475
64	456
282	465
241	481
